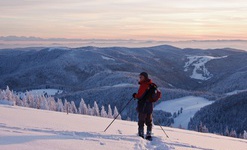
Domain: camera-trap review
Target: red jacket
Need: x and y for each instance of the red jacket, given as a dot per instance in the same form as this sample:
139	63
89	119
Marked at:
144	85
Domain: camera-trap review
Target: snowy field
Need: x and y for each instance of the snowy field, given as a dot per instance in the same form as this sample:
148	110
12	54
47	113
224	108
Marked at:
31	129
190	105
48	92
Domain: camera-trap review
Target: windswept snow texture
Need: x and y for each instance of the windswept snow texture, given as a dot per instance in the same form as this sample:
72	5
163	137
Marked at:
200	72
32	129
190	105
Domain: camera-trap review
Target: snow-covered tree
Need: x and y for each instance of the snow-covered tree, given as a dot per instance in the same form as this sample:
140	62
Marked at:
25	101
96	109
245	135
103	112
37	101
227	133
52	104
83	108
200	127
116	113
90	110
109	111
19	102
1	95
30	100
10	96
67	107
73	107
233	133
204	129
44	103
60	106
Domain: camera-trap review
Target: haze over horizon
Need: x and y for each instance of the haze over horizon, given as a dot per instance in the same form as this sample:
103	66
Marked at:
157	20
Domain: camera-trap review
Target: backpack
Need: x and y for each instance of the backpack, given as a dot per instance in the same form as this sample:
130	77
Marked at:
153	93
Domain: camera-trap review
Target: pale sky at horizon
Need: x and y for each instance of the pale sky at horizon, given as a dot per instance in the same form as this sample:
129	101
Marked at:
125	19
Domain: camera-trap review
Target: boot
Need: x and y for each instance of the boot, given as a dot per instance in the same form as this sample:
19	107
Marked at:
148	135
141	132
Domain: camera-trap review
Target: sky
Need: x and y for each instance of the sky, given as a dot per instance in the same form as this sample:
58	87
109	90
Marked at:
170	20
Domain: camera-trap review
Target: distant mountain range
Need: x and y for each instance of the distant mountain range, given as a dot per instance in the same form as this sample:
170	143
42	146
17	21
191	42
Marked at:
33	38
110	75
218	71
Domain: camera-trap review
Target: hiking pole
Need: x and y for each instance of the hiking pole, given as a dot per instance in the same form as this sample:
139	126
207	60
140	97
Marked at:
118	114
162	129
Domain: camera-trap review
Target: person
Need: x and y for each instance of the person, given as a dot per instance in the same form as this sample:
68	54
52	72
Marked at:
144	107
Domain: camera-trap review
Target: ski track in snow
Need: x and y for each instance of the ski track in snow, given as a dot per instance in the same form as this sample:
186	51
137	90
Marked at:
140	144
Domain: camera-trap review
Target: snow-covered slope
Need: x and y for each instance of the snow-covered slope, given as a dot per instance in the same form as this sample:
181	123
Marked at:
25	128
189	104
200	72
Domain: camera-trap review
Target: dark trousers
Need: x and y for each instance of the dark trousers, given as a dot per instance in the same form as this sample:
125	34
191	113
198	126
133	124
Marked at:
144	118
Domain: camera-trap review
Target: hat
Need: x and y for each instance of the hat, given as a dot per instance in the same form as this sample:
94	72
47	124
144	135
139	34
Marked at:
144	74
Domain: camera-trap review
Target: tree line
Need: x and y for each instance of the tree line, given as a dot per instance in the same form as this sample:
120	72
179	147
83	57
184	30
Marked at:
45	102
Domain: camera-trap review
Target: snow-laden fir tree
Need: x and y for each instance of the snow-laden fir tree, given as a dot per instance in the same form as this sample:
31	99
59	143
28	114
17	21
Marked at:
109	111
116	113
83	107
233	133
60	106
44	103
90	110
52	103
245	135
96	109
103	112
37	101
10	96
73	107
30	100
67	106
204	129
227	133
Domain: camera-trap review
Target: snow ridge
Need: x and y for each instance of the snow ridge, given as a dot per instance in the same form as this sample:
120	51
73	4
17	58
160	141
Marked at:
200	72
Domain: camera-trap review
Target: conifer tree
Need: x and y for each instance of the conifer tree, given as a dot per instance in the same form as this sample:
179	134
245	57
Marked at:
109	111
103	112
96	109
73	107
116	113
245	135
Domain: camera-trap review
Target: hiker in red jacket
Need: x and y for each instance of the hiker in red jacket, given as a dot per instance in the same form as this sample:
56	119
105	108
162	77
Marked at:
144	107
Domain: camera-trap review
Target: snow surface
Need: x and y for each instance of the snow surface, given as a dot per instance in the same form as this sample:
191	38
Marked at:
190	105
50	92
28	129
200	72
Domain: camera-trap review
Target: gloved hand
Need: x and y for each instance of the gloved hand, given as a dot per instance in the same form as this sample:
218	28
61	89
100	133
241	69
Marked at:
134	94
